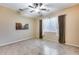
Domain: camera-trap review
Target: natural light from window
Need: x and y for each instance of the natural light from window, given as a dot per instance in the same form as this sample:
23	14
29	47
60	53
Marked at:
50	24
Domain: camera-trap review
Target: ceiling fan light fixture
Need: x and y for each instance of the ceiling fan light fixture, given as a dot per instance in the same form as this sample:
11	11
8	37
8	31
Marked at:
40	4
37	10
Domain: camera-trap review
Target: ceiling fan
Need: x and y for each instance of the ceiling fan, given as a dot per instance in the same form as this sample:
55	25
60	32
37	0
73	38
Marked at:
35	7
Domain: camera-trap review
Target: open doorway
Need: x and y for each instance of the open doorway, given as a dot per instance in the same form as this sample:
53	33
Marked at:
53	29
50	29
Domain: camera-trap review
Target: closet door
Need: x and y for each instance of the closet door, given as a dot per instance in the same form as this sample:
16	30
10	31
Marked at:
61	20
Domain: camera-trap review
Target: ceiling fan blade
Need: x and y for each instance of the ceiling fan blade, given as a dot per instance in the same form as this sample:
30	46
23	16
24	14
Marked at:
43	9
31	6
32	11
23	9
20	9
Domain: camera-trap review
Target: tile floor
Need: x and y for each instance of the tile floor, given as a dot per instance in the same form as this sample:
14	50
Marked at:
38	47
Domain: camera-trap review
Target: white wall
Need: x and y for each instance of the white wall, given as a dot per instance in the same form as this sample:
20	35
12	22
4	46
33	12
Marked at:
8	33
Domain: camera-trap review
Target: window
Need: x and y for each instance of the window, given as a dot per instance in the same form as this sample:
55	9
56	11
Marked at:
50	24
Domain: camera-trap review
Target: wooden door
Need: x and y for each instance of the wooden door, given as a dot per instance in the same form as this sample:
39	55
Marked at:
61	20
40	29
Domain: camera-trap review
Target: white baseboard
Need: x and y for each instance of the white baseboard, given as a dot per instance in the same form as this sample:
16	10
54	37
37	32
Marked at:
72	44
15	41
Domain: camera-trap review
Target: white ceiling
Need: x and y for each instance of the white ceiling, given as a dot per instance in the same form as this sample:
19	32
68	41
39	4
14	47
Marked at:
53	7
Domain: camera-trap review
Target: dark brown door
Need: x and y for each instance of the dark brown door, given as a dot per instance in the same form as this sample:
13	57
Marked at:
40	29
61	20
